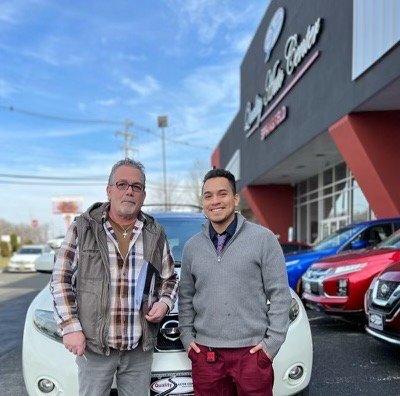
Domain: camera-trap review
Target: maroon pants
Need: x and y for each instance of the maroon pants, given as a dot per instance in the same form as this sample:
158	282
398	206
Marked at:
235	371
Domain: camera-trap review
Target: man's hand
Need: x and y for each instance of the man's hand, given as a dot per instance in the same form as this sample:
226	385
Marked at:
257	348
75	342
193	346
157	312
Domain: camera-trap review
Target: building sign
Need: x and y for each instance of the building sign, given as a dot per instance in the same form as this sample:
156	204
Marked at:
273	122
295	52
273	32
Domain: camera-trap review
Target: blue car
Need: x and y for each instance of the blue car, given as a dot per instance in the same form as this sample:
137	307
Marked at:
352	237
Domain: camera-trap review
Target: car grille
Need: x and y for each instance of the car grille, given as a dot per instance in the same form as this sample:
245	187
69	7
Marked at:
313	277
164	345
385	289
166	342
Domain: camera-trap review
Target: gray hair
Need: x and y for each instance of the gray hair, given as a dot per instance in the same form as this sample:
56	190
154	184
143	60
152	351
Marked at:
126	162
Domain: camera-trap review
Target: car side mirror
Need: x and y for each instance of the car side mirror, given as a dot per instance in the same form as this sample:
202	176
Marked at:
358	244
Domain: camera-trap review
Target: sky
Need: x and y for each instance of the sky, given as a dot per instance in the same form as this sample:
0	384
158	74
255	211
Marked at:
102	60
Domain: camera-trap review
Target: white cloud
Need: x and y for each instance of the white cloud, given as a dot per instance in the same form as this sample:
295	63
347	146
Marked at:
131	57
145	87
108	102
54	51
10	12
82	107
6	89
241	43
210	16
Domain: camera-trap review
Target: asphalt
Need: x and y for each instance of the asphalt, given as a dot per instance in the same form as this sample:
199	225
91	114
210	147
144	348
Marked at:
347	361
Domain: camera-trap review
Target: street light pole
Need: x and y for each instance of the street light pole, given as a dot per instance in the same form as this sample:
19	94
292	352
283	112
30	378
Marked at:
162	122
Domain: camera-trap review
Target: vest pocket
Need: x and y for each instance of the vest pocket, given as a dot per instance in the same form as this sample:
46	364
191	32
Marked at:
91	265
88	300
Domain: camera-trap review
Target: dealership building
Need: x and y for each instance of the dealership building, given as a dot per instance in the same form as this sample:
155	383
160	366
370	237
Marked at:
315	144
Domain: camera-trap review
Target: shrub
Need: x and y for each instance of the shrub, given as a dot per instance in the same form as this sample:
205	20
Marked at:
5	250
14	242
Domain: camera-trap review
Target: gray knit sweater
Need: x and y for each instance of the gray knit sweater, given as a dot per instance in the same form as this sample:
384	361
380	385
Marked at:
223	299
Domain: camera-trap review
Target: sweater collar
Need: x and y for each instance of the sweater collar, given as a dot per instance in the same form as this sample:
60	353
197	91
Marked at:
240	221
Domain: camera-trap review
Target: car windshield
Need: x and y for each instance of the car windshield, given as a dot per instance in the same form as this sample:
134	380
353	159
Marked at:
391	242
30	250
179	230
338	238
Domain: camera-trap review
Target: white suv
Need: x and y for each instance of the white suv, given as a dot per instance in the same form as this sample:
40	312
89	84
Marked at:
49	369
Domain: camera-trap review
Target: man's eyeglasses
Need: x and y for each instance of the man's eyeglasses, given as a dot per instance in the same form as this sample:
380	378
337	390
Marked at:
124	185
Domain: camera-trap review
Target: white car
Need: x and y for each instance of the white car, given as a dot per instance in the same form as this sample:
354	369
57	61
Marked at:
49	369
45	262
24	258
56	242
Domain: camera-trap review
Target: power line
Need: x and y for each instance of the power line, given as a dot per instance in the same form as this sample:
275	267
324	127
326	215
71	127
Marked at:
14	176
60	118
97	121
58	183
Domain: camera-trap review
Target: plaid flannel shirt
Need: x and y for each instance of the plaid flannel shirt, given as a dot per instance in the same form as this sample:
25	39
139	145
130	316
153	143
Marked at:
125	328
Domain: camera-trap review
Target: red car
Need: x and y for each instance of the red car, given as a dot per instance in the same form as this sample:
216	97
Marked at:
382	305
338	283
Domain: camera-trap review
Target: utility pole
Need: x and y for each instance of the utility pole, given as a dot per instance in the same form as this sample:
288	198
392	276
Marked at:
128	136
162	122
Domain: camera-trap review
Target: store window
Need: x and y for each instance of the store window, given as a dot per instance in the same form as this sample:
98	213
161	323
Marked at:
328	201
360	207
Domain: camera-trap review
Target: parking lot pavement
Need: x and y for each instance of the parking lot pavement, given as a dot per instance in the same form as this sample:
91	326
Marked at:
16	293
347	361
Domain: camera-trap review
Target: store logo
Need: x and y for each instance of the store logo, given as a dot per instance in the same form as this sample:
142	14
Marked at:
294	54
173	385
273	32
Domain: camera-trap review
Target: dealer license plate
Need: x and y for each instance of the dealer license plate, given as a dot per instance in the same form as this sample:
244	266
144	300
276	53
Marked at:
179	383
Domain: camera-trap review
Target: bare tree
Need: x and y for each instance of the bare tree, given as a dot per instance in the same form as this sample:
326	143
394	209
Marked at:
195	181
25	231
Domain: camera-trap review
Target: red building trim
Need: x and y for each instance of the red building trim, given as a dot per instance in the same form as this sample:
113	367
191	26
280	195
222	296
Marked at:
370	144
272	206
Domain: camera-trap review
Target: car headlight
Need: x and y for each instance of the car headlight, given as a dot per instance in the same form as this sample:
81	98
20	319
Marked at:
371	286
345	269
294	310
291	262
45	323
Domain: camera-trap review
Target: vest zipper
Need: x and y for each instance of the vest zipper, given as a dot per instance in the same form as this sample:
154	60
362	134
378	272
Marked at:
104	303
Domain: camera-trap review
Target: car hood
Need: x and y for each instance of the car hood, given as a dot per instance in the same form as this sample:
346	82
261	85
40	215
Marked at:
45	262
391	273
364	256
44	299
25	258
309	255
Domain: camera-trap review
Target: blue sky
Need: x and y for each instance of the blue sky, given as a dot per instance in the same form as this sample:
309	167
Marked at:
114	60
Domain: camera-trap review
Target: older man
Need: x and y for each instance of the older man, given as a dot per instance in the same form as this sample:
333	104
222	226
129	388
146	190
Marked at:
113	281
234	297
